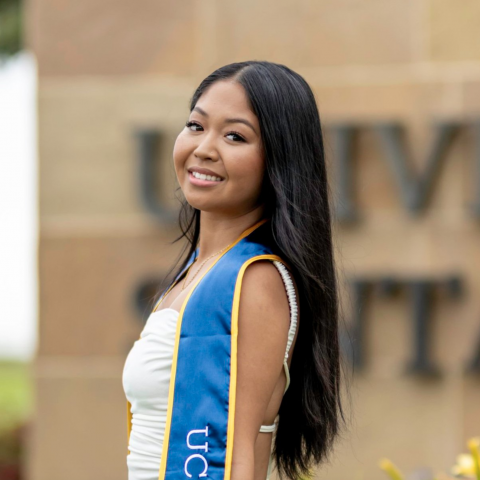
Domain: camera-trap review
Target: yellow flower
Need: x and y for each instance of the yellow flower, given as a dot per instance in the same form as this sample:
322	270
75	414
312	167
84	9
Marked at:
468	464
474	446
465	466
391	469
309	475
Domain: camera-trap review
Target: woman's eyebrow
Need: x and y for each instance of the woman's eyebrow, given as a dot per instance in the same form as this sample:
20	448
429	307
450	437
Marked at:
228	120
240	120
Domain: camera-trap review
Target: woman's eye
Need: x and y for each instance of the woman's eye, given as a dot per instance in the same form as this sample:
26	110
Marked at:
196	127
237	137
193	124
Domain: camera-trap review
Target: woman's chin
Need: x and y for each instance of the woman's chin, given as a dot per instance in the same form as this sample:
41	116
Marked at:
204	204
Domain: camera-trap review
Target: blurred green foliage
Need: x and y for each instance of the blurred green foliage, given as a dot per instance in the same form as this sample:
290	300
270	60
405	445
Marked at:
16	394
12	453
16	401
11	27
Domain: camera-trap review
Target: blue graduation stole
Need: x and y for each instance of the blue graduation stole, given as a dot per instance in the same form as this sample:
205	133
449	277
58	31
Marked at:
198	440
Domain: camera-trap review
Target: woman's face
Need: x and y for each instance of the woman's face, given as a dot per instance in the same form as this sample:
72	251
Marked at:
221	138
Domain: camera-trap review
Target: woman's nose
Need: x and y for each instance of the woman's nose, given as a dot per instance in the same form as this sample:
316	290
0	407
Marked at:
206	148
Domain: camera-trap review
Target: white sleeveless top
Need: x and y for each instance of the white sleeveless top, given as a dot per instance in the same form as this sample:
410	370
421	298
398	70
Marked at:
146	381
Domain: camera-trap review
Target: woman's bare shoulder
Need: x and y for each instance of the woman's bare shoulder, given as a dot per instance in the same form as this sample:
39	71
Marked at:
264	307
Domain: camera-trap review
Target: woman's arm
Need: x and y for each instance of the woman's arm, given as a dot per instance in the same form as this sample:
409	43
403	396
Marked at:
263	323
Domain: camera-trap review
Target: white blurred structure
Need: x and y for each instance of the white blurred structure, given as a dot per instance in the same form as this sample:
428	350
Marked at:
18	208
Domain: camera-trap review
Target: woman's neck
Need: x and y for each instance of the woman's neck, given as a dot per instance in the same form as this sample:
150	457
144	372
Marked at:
217	232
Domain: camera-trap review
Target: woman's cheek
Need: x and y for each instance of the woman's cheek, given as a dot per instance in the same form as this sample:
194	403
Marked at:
180	153
249	173
255	168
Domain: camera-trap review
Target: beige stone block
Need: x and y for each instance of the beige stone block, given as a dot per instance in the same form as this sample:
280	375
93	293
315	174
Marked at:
455	250
388	338
453	30
112	37
471	95
380	247
471	412
118	38
317	33
80	424
410	421
432	249
375	187
391	101
87	291
89	164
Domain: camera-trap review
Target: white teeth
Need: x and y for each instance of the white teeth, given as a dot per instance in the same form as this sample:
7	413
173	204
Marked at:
206	177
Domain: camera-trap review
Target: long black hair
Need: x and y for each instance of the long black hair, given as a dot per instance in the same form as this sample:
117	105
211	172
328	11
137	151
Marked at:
296	195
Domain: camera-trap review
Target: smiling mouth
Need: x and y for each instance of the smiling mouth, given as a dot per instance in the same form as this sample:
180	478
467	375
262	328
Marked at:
203	180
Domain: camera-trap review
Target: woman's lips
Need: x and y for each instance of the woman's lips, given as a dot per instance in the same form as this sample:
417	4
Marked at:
202	183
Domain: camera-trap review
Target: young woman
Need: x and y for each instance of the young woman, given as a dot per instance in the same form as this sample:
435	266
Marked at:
226	378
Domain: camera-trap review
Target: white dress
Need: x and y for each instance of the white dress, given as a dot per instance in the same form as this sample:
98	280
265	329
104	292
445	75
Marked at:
146	381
